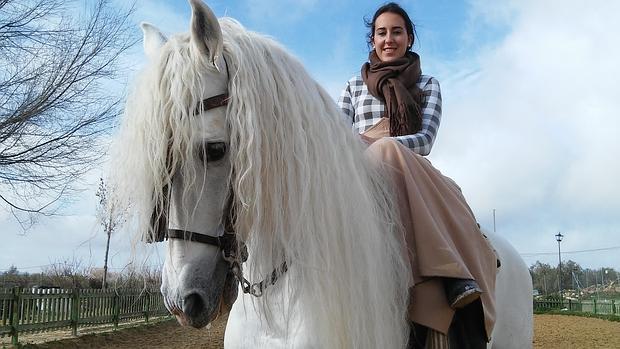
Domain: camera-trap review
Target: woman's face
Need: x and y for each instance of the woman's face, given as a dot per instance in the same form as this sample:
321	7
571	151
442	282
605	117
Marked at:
390	39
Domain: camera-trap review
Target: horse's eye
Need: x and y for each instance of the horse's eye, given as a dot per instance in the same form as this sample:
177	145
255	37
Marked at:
212	151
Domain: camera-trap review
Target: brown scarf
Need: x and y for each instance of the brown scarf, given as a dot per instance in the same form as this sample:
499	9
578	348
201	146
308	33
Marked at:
395	83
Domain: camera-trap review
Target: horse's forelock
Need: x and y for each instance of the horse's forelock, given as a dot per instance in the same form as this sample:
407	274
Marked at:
155	138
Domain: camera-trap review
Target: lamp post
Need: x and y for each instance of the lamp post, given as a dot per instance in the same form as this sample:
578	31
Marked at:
558	238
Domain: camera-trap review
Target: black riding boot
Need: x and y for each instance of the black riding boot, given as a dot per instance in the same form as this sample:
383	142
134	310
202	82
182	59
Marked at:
461	292
467	328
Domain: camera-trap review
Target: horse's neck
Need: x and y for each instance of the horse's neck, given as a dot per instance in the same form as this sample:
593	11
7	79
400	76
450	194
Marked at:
248	327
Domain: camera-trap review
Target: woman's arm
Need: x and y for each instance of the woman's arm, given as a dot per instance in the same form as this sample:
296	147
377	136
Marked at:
345	104
422	141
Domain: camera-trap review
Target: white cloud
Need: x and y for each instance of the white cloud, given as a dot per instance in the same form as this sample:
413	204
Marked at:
77	237
535	132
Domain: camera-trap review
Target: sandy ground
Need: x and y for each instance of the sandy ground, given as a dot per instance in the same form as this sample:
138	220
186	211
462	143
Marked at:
568	332
551	332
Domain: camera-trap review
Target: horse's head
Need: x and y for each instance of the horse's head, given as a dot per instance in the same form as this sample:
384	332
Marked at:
186	87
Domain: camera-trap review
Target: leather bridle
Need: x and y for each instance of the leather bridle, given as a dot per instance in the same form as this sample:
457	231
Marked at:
234	251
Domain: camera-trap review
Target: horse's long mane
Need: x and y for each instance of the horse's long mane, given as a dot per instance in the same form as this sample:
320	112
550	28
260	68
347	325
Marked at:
304	191
307	195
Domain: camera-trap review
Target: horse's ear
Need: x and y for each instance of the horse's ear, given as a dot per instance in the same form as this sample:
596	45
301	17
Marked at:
153	39
206	34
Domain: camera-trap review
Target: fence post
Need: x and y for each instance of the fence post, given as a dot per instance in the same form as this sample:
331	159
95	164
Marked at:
613	306
75	310
14	317
115	302
148	307
594	306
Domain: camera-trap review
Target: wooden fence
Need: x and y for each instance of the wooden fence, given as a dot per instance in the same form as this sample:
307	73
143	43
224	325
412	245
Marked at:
592	306
38	310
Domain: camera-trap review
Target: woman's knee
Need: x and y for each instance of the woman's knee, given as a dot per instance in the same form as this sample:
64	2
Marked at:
382	148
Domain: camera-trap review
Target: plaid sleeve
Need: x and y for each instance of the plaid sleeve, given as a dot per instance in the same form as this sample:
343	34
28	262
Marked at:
345	104
422	141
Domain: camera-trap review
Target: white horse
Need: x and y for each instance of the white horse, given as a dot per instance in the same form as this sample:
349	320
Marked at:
225	131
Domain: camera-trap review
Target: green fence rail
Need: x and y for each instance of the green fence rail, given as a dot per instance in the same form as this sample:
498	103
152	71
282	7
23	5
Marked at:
37	310
608	307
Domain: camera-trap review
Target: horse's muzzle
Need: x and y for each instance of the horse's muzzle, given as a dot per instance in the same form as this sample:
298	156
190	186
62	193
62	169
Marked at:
197	307
196	312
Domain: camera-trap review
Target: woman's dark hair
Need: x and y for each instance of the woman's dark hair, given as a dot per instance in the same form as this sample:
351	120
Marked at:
395	8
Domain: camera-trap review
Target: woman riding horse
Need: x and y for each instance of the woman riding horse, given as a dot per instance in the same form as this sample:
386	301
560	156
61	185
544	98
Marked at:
397	110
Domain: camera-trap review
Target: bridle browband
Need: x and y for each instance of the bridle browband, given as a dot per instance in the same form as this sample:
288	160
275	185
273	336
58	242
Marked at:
220	100
234	252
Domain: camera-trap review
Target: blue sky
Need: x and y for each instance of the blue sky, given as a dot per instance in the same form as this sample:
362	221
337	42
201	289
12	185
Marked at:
530	124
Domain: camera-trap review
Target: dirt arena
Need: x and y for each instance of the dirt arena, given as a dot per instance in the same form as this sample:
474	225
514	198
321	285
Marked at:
551	332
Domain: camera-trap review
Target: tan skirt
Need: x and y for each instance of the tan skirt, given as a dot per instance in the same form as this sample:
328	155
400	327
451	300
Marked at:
441	234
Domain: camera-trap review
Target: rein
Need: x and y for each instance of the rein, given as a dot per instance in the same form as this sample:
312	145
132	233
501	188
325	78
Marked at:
234	252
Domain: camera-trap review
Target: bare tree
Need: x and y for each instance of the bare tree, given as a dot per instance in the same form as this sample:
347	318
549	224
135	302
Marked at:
111	216
68	273
58	96
142	277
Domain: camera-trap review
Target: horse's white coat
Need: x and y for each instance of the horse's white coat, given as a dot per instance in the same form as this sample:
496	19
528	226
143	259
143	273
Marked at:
513	299
246	329
513	326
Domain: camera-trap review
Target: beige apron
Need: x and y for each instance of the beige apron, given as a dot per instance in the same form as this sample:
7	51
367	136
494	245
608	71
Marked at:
441	233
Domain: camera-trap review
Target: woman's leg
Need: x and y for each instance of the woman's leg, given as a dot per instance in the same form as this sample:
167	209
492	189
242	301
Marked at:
441	232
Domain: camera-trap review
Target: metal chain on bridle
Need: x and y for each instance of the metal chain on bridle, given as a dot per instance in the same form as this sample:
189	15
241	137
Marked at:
234	252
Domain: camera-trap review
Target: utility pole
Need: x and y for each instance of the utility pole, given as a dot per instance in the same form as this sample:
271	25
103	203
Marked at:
494	220
558	238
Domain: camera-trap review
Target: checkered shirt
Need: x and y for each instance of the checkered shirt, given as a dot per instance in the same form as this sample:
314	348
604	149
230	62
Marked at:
363	111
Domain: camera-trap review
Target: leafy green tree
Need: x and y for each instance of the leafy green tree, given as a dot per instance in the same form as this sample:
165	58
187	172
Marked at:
543	276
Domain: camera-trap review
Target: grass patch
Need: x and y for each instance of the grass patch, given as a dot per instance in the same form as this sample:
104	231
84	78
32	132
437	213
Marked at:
608	317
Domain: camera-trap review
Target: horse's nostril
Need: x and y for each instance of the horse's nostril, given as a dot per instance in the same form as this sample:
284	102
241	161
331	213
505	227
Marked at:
193	305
